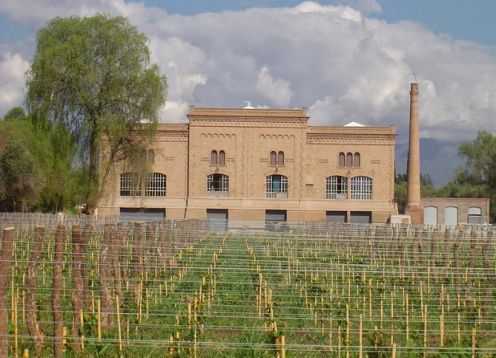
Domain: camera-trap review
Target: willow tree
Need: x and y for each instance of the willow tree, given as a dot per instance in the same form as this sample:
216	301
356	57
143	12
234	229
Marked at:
94	75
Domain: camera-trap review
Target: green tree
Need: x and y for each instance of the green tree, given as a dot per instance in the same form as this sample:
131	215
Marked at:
20	177
48	151
477	176
401	189
15	113
94	75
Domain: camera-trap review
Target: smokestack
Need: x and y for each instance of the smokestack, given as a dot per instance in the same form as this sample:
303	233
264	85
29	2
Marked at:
413	206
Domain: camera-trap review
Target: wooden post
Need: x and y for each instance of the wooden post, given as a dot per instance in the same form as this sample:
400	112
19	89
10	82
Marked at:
57	314
98	321
5	265
360	337
32	323
474	343
283	347
118	308
77	291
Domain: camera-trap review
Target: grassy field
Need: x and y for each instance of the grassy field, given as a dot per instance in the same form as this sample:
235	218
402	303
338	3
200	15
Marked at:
166	291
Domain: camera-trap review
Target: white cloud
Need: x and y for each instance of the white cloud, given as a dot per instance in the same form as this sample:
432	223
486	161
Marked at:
335	60
276	90
12	69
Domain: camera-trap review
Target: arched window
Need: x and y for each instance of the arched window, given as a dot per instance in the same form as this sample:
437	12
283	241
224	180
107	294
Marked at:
356	160
336	187
280	158
276	186
361	188
129	185
217	185
156	184
222	158
150	157
342	157
349	159
213	157
273	158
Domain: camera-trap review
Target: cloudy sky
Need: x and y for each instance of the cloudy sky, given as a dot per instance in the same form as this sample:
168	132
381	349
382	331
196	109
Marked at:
348	60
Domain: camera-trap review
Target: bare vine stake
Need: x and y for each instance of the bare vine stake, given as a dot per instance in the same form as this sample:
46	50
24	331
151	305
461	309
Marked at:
474	342
407	325
98	320
33	325
425	327
347	331
441	326
360	335
77	292
16	336
117	305
58	319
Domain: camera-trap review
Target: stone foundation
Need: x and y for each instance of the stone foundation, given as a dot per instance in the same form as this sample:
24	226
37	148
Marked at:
416	214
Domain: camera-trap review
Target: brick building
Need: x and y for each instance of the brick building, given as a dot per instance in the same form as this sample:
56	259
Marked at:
257	165
453	211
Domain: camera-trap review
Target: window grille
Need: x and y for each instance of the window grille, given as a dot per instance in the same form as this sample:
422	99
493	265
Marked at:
129	185
336	187
356	160
213	157
361	188
276	186
273	158
280	158
217	185
222	158
342	159
156	184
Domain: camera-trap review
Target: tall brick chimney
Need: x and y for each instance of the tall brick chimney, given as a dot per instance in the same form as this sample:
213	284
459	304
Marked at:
413	206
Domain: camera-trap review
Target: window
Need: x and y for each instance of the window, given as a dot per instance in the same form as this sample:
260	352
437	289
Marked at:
276	186
349	159
213	157
361	188
474	215
150	158
356	159
155	184
222	158
336	187
273	158
280	158
129	185
217	185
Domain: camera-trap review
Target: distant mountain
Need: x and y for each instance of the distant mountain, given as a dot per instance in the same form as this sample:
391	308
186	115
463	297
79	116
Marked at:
438	158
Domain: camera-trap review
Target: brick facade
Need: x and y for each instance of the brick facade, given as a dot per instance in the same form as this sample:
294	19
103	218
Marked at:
247	137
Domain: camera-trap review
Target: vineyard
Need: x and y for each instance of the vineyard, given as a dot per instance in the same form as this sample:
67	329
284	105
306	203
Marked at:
172	289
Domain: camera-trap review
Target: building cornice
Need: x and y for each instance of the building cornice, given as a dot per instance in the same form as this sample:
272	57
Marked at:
247	117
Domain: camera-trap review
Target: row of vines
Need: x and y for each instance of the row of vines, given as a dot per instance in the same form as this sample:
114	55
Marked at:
170	289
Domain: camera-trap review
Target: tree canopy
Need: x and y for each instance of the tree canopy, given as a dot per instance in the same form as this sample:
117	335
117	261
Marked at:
94	76
36	165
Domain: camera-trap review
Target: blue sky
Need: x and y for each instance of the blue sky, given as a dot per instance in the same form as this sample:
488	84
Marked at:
345	60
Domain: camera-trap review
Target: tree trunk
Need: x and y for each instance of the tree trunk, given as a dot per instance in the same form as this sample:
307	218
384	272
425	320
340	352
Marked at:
92	189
